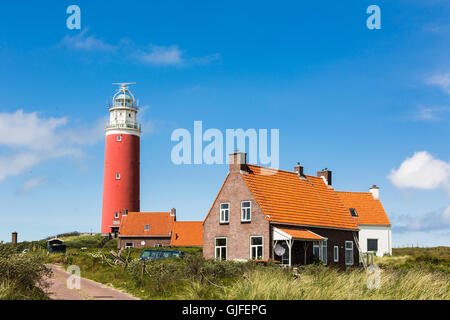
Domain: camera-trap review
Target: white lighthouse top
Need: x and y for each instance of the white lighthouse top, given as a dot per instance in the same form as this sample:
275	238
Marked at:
123	112
123	98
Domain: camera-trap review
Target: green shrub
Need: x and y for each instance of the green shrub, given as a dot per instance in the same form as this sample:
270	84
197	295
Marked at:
22	275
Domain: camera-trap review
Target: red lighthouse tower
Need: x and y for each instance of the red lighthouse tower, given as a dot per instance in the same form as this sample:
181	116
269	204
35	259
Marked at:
121	175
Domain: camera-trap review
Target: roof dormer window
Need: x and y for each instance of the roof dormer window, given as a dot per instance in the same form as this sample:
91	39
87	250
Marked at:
353	212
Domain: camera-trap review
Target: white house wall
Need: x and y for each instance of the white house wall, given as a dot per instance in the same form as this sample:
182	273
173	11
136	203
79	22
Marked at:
382	233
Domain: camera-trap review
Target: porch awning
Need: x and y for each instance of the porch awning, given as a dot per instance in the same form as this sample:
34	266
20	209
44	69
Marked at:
294	234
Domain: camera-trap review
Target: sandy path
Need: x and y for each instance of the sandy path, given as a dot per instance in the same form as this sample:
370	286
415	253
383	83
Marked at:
89	290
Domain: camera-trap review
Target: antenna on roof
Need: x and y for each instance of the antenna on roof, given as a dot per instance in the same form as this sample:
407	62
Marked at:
123	84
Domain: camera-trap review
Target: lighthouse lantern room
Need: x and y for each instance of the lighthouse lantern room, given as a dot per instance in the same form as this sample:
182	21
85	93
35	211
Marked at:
122	152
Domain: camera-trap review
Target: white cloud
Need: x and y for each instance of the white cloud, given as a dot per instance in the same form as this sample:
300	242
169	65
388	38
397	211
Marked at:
162	56
432	113
436	220
31	184
422	171
83	42
30	139
154	55
441	80
172	56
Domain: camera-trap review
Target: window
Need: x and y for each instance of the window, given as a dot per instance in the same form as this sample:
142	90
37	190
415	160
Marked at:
285	256
316	249
372	244
256	248
116	215
221	248
224	212
246	211
336	254
146	227
119	138
129	245
353	212
117	176
349	253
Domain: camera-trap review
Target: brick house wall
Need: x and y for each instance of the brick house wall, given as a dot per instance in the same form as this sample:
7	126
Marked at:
235	190
149	242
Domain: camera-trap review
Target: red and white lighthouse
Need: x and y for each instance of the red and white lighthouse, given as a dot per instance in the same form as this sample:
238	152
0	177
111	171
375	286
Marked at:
122	152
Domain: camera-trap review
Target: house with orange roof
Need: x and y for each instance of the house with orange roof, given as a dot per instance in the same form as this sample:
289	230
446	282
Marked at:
262	213
375	233
153	229
187	234
146	229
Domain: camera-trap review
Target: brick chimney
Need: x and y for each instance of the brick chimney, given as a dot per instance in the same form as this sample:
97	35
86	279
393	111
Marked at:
238	162
299	170
375	191
14	238
173	213
325	174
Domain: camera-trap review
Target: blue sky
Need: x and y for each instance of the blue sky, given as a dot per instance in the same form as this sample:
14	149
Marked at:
371	105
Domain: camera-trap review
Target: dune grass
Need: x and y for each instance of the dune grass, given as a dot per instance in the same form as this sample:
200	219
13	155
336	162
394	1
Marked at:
196	278
410	273
319	282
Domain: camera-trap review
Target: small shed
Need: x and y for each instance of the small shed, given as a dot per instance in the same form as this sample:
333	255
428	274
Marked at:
55	246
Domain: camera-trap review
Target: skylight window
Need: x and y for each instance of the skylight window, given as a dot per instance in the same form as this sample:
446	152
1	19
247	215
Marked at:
353	212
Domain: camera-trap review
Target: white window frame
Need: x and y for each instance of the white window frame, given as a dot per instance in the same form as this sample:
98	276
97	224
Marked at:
316	245
127	245
368	244
336	253
256	246
117	176
119	138
324	252
247	210
223	211
348	249
221	247
116	215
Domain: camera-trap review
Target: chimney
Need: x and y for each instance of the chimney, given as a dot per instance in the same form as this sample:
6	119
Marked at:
375	191
173	213
14	238
326	175
238	162
299	170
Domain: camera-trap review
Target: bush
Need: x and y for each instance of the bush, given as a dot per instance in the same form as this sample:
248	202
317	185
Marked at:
22	275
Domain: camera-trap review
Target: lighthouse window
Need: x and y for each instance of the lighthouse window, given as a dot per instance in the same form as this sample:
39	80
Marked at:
117	176
116	215
119	138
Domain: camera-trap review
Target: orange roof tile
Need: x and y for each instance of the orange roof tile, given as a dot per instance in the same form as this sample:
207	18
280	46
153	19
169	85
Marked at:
286	198
302	234
160	224
187	234
370	211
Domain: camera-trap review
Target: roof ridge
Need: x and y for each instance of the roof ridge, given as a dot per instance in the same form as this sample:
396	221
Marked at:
361	192
282	170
